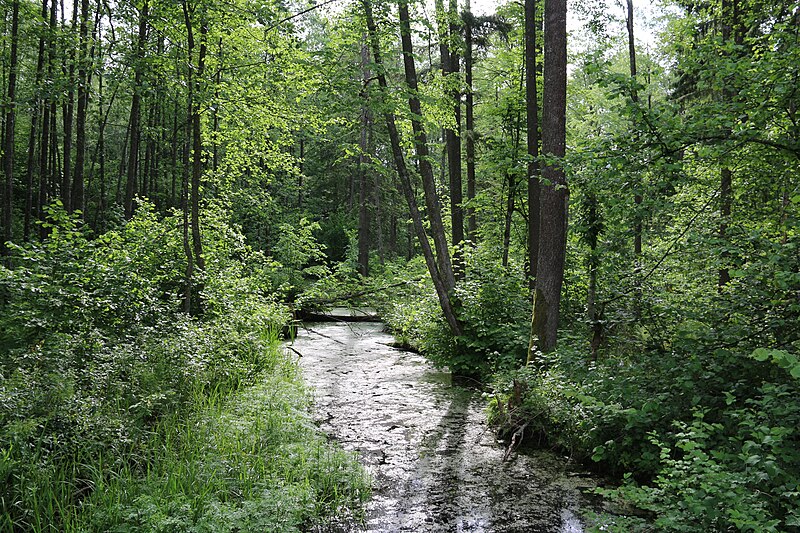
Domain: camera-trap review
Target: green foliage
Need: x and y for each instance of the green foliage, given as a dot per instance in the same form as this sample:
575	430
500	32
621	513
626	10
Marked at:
299	257
489	301
104	384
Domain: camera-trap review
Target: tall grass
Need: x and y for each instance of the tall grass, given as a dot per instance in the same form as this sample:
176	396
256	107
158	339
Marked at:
120	413
248	461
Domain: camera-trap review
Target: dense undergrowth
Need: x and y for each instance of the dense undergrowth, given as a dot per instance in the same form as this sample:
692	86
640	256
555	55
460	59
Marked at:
694	406
121	413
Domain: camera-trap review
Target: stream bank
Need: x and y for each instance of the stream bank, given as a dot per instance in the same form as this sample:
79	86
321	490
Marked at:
435	464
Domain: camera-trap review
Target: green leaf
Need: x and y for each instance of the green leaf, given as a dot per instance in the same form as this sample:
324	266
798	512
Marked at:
761	354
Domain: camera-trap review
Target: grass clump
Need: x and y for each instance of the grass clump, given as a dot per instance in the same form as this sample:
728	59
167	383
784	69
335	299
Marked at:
120	412
253	462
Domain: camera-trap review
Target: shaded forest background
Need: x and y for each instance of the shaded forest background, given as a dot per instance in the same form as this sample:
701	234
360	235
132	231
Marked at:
179	178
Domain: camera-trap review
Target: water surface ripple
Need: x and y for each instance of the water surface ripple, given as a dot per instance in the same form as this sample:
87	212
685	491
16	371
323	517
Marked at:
435	465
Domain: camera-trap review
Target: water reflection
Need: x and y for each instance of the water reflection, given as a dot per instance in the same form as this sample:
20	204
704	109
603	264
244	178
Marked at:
435	465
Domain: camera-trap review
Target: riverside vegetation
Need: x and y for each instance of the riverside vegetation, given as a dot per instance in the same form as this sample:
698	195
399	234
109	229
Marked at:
602	234
120	413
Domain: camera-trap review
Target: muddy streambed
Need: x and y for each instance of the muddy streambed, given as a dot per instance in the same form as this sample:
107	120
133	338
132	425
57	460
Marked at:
435	465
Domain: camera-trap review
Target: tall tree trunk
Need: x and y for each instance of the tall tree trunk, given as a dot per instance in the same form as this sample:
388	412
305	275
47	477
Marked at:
554	194
83	106
48	103
442	291
637	199
10	123
68	114
135	117
453	139
448	30
514	128
363	196
731	28
432	202
195	76
101	149
300	174
532	113
472	221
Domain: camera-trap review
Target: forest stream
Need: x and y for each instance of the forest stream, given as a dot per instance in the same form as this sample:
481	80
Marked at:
436	467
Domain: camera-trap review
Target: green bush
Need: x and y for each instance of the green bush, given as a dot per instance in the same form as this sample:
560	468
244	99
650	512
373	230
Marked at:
101	375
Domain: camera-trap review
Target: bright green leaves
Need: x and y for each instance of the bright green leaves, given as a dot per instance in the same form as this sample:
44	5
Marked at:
786	360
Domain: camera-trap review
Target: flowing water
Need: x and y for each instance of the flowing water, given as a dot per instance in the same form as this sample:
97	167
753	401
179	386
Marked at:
436	467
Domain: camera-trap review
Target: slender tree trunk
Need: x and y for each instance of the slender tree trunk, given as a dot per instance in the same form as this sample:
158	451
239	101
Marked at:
363	196
45	151
532	113
101	148
197	148
637	199
554	194
432	202
68	114
149	145
448	31
10	123
195	76
300	174
187	246
83	106
173	199
472	222
725	204
136	104
442	291
731	28
30	204
217	104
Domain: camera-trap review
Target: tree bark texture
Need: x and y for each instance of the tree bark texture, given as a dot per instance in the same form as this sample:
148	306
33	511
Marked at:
10	123
442	291
554	192
532	113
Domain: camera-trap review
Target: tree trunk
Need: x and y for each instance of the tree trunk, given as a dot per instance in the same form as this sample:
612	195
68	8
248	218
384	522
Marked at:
731	27
32	135
554	193
10	123
532	113
637	199
45	167
432	202
472	222
363	196
195	74
442	291
83	106
68	115
453	143
136	103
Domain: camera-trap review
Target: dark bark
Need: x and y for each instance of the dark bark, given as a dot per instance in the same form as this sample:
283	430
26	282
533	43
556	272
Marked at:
442	290
136	104
532	114
469	109
637	198
554	192
725	204
731	29
432	202
68	116
195	76
453	141
83	106
363	189
10	123
46	164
